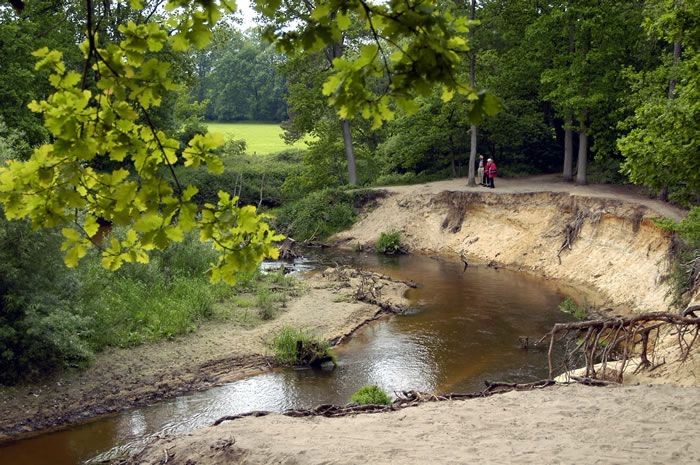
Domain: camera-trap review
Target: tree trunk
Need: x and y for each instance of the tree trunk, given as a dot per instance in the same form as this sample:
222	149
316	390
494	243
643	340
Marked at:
568	150
349	154
676	59
471	182
333	52
472	156
569	122
582	155
677	47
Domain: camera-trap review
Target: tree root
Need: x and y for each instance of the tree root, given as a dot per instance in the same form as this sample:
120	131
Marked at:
572	231
616	339
404	399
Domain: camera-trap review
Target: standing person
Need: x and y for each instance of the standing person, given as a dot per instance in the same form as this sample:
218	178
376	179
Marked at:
480	171
490	172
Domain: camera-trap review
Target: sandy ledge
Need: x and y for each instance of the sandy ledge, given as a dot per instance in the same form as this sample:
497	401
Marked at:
562	424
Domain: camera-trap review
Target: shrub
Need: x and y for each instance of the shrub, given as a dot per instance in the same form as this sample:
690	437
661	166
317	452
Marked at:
389	243
296	347
243	175
370	395
317	216
572	308
265	304
40	330
409	177
685	266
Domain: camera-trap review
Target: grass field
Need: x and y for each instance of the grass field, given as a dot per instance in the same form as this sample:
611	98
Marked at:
262	138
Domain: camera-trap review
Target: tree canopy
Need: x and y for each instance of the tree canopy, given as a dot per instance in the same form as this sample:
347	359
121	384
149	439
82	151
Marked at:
108	160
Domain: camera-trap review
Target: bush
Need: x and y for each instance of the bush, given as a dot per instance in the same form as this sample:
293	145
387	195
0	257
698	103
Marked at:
605	171
370	395
685	267
40	330
572	308
318	215
394	179
243	176
288	341
389	243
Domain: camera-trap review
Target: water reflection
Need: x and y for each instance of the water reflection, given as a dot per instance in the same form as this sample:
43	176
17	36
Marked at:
464	328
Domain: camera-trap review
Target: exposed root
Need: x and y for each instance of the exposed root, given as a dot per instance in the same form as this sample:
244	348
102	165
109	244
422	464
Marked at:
403	399
572	231
456	211
617	339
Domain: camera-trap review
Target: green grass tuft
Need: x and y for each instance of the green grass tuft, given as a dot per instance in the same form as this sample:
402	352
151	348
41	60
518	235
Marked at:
572	308
389	243
370	395
313	351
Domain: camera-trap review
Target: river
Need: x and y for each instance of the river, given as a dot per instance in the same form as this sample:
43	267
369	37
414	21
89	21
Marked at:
463	328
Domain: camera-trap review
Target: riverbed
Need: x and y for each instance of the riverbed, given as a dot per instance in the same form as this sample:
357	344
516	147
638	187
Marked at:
462	327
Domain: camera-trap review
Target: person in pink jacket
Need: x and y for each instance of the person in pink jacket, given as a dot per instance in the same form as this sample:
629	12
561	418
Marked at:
490	172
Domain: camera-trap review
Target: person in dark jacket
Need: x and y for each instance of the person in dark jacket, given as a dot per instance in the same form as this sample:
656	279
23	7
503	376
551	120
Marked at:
490	172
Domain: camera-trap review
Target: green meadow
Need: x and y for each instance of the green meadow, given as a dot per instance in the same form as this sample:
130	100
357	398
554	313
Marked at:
261	138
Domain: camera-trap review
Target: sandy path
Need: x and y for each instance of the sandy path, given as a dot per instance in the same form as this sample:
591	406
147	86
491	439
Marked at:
548	183
564	424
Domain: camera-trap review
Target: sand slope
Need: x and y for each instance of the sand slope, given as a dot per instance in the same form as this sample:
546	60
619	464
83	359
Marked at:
563	424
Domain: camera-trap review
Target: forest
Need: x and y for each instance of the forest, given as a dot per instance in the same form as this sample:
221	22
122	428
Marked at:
108	166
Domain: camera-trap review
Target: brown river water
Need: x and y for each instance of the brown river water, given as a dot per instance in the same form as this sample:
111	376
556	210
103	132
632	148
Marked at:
463	328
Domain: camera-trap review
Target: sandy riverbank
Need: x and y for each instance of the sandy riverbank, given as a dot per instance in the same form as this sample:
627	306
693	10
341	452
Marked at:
562	424
218	352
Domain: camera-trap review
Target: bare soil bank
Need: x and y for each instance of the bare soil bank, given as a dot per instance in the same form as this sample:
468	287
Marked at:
616	250
619	251
561	424
217	353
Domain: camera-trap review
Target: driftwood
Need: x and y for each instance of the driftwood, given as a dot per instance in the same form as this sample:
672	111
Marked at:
403	400
616	339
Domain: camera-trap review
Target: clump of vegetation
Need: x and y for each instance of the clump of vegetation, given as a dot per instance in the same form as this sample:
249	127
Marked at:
685	254
572	308
53	317
318	215
40	330
296	347
254	179
389	243
370	395
142	303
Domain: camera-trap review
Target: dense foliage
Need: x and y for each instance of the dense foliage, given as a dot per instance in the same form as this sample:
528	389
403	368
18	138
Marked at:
318	215
239	78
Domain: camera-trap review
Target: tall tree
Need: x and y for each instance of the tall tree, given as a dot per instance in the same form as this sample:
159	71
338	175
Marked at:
473	128
661	146
591	42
